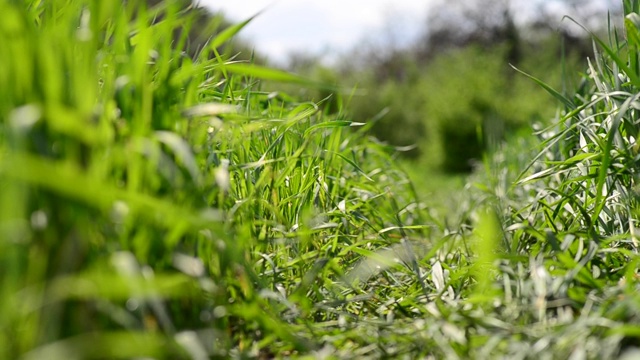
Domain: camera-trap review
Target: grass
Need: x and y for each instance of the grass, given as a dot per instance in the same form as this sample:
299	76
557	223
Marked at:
159	205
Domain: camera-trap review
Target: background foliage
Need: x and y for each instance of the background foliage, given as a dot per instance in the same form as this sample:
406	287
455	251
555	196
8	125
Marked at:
452	92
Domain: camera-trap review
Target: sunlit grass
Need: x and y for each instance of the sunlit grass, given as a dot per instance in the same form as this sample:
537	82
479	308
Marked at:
164	205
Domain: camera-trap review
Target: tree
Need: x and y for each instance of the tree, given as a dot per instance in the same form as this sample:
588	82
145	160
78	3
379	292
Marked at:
458	23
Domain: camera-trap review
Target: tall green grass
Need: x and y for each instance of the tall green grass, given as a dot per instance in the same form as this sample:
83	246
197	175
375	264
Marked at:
157	201
570	212
155	204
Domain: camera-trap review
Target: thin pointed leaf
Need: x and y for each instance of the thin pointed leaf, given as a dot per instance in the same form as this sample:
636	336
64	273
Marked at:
230	32
548	88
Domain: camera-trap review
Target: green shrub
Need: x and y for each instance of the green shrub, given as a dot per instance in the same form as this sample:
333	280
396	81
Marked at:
455	106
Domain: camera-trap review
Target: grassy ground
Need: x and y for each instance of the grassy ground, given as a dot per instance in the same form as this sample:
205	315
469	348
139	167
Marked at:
162	206
443	193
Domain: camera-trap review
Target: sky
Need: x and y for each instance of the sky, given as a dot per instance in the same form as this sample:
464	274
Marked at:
317	26
285	26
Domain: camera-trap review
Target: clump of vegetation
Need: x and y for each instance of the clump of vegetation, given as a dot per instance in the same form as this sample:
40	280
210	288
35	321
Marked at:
159	204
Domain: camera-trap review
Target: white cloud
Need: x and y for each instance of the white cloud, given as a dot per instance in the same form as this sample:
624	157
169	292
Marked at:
331	26
311	25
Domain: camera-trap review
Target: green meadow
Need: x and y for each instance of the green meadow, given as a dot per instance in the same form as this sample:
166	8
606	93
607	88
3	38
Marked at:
161	198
